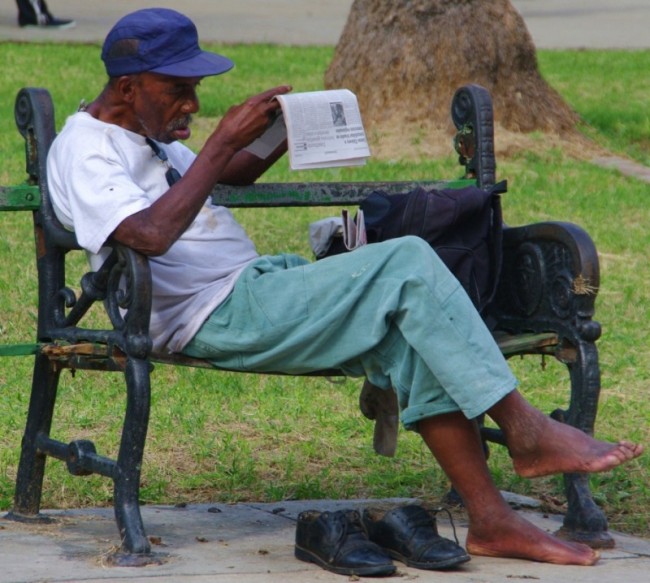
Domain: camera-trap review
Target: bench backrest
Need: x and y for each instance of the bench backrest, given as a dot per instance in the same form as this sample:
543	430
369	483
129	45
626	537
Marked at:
60	309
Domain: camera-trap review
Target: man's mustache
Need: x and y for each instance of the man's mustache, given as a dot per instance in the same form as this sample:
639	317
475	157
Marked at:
181	122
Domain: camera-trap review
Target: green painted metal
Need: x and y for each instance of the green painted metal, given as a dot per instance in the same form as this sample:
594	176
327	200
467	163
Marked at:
27	197
511	344
316	193
19	198
19	349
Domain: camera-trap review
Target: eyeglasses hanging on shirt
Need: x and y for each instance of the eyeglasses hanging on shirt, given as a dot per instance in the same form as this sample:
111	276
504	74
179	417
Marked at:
172	175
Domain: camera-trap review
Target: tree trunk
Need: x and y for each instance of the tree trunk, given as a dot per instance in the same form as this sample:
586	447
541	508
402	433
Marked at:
404	59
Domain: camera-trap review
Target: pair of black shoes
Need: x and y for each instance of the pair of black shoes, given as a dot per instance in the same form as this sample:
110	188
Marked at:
348	543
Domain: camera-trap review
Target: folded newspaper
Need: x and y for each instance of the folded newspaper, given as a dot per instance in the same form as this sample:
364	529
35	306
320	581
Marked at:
354	229
351	229
322	128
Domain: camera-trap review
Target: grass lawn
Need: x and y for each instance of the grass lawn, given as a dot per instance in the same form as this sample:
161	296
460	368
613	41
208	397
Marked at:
230	437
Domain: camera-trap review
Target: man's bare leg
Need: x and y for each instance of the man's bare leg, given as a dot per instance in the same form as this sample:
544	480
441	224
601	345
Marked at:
540	446
495	529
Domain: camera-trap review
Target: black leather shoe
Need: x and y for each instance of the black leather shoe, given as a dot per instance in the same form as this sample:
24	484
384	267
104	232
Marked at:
337	542
410	535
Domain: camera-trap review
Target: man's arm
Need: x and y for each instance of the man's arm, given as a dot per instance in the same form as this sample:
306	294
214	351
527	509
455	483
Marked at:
153	230
245	167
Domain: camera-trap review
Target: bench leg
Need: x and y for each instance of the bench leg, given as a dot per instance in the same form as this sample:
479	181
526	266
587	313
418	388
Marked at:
129	463
125	472
584	520
31	468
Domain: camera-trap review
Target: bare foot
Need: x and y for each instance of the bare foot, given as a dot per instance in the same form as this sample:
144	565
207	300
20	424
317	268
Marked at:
515	538
564	448
540	446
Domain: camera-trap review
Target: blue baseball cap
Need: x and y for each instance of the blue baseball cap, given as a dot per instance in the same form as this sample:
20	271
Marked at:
159	40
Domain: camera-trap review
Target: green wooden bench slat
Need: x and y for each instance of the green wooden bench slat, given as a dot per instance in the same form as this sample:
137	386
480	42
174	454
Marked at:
316	193
509	345
520	343
27	197
19	349
19	198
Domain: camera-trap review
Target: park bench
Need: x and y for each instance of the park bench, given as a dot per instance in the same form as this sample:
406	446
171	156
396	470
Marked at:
544	305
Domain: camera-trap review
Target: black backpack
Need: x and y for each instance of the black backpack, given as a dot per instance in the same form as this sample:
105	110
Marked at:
463	226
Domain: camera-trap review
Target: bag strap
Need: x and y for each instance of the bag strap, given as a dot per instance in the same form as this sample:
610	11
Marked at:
496	236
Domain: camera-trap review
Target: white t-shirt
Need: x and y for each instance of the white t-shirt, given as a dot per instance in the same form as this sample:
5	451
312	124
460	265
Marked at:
99	174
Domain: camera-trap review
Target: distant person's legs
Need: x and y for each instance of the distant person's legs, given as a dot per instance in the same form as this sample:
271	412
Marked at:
36	13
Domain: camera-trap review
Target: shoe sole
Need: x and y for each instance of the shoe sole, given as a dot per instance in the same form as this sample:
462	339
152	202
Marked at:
429	566
309	557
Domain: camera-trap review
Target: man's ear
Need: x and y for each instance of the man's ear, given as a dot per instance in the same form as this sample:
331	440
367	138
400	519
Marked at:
126	86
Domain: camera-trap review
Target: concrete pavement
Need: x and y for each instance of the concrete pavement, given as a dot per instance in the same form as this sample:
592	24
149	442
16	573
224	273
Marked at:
253	543
593	24
552	23
230	21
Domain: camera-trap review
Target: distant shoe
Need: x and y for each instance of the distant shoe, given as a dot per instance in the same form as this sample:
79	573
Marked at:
410	535
50	22
337	542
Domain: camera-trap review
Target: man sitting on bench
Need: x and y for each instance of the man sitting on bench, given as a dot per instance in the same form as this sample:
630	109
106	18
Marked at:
390	312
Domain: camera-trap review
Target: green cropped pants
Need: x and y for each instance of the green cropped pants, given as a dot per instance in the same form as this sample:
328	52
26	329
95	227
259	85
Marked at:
390	311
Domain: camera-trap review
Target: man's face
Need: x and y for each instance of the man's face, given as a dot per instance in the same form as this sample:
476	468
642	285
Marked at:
164	105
